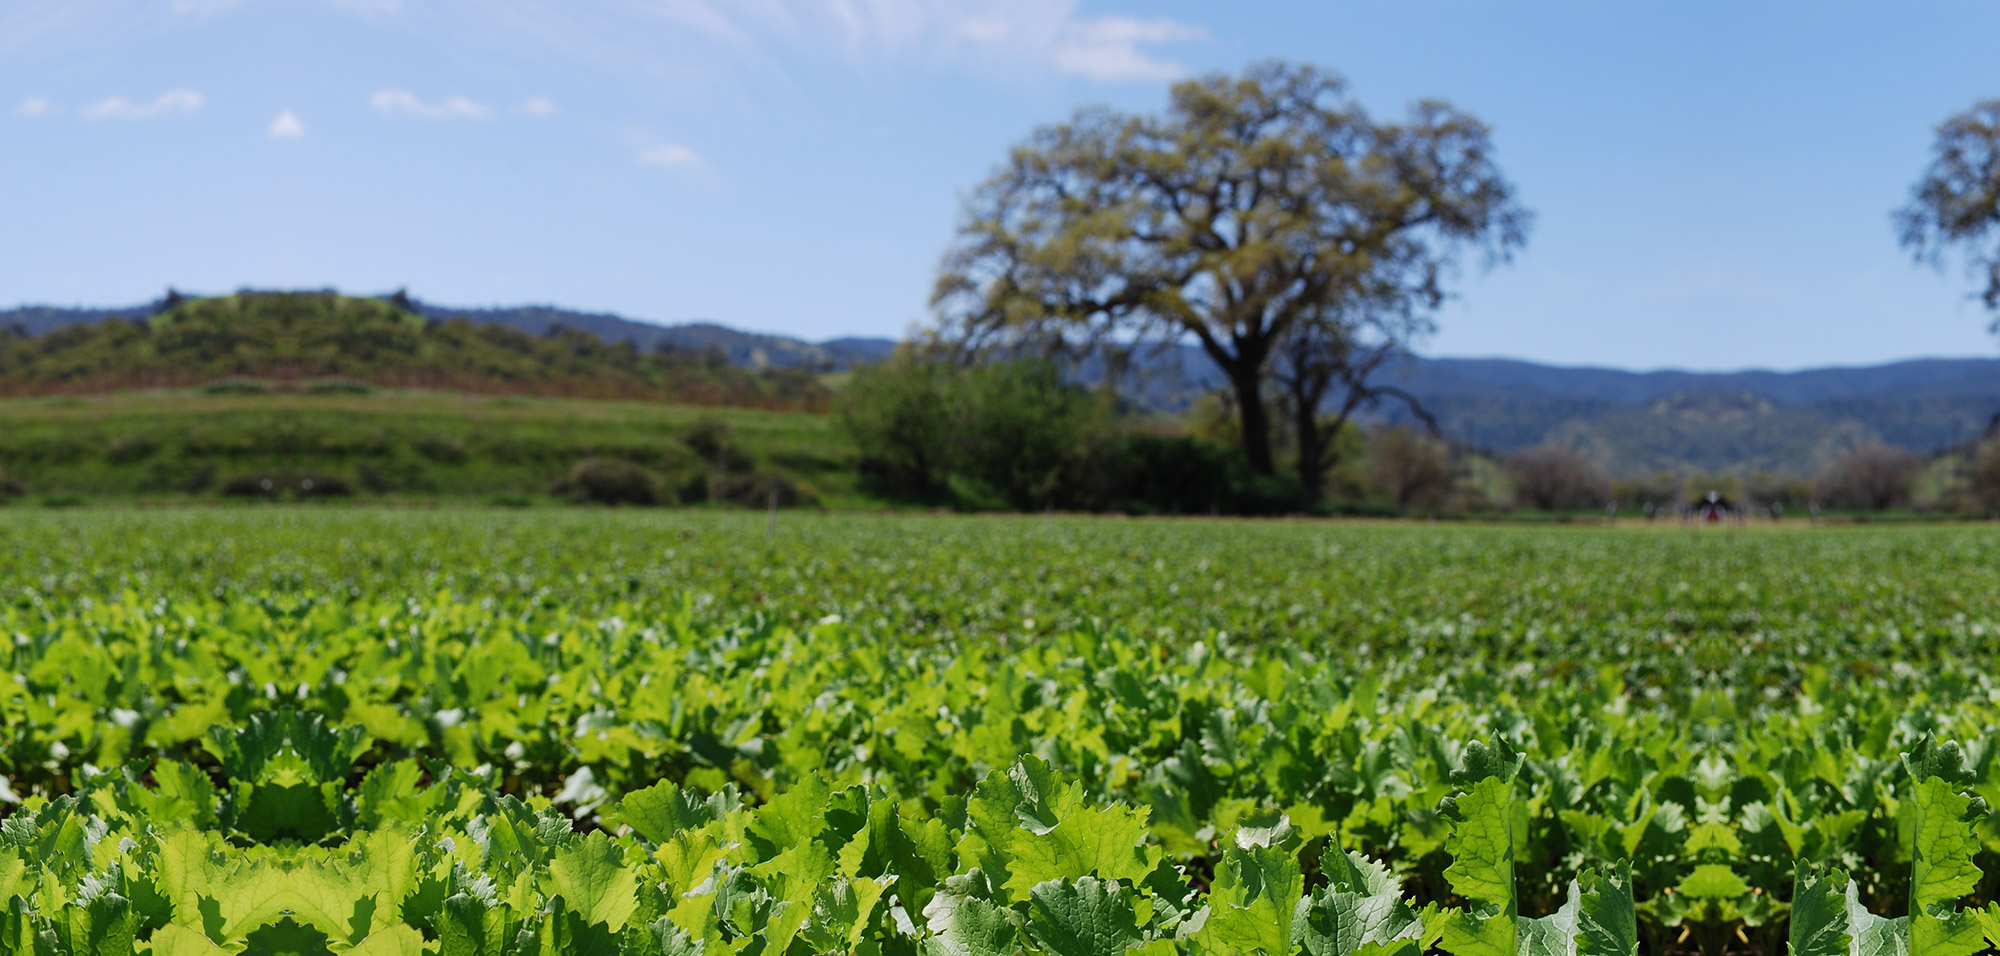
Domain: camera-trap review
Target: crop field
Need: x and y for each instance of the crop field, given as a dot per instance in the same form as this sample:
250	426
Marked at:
304	730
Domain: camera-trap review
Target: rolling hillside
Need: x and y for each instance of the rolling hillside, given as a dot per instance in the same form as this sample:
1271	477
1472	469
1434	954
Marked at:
1634	421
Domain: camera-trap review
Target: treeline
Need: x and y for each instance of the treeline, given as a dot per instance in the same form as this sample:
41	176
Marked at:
288	337
1014	434
1869	477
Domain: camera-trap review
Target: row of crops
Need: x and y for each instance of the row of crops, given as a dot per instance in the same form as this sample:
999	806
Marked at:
470	733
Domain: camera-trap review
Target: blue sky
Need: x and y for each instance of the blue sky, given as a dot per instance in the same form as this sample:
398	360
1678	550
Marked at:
1712	180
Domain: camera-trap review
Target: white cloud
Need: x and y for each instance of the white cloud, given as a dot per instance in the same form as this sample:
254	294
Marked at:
170	102
669	155
288	126
1112	49
539	106
404	103
34	106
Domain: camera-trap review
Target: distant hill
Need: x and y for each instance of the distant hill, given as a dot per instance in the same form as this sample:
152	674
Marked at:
1636	422
750	349
300	337
742	348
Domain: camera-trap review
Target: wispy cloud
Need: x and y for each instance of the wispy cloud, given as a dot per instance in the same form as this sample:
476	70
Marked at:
288	126
540	106
34	106
166	104
405	103
670	36
1113	49
669	155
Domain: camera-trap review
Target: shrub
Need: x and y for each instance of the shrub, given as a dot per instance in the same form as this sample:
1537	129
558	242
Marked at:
128	449
691	488
1984	476
1869	476
755	490
1552	477
396	473
1411	469
10	486
251	486
237	386
443	449
711	440
1145	473
609	481
322	486
1019	425
899	413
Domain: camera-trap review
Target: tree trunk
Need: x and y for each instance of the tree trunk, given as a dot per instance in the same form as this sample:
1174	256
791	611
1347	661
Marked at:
1255	419
1313	441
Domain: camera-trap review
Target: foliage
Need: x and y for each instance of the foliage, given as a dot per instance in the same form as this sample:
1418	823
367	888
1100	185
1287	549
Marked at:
399	444
1014	431
1955	206
1255	207
610	481
1410	469
899	414
495	731
1020	425
1552	477
1869	476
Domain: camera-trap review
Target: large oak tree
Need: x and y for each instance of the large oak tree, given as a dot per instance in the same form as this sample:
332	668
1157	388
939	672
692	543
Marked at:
1255	207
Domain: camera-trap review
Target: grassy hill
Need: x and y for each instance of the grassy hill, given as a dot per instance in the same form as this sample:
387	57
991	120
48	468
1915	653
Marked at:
297	337
402	444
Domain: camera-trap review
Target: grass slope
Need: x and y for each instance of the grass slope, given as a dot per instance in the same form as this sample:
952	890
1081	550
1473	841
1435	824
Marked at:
393	443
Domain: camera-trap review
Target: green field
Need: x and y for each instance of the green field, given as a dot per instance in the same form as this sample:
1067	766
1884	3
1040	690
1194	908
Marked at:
395	444
312	730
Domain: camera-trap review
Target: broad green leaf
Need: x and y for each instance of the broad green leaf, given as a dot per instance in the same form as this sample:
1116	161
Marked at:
1873	935
1713	881
1552	935
1082	917
971	927
1942	844
1254	899
174	939
468	927
591	875
398	940
1361	907
1106	842
662	810
1607	922
1819	912
1481	845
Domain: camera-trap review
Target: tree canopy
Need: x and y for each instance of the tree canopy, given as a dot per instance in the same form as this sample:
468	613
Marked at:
1254	206
1956	203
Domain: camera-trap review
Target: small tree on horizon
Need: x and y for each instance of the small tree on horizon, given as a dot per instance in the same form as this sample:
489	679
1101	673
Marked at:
1554	477
1874	476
